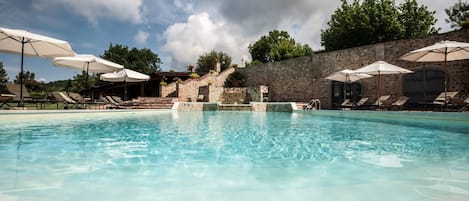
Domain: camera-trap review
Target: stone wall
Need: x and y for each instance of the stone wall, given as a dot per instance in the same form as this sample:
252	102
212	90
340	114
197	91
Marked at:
302	79
189	90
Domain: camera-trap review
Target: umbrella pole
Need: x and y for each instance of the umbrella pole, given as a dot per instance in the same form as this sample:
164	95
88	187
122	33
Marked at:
21	104
446	77
125	90
87	69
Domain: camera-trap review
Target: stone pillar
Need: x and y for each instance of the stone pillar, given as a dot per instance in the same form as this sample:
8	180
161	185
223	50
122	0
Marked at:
218	67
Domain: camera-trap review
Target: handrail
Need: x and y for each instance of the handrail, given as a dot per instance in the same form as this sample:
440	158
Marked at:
314	104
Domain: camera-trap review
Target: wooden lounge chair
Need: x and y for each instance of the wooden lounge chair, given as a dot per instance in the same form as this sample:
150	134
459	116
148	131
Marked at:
78	98
68	102
442	100
360	103
465	105
399	103
347	104
113	104
382	100
4	98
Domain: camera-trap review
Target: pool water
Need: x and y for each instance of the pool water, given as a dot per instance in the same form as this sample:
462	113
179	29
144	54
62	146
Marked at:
166	155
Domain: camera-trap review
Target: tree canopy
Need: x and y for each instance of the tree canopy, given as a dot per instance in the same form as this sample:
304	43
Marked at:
374	21
29	80
458	14
207	62
277	46
141	60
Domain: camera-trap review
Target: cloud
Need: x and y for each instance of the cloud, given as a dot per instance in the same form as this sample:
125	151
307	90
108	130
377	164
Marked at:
185	42
92	10
141	37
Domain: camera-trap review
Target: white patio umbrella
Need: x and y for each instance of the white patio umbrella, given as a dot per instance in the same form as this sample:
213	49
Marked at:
379	68
443	51
125	75
87	63
347	76
26	43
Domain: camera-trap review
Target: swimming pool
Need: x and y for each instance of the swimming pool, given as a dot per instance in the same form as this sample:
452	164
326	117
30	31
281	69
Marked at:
166	155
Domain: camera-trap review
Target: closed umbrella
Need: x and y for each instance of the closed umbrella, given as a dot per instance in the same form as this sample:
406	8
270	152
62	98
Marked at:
125	75
443	51
347	76
379	68
26	43
87	63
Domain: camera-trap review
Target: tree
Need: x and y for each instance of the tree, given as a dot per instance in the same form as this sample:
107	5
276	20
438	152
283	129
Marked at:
207	62
277	46
30	82
79	82
417	21
458	14
375	21
3	79
141	60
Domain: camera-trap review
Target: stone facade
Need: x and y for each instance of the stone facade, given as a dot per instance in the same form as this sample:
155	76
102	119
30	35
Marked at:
302	79
209	85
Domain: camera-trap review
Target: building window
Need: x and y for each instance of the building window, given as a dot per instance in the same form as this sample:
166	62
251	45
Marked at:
424	85
353	92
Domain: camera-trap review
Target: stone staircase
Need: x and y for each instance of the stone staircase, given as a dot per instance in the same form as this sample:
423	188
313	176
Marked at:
153	103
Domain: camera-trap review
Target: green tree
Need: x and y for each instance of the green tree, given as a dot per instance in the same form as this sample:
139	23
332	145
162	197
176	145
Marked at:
417	20
3	78
30	82
276	46
141	60
207	62
79	82
374	21
458	14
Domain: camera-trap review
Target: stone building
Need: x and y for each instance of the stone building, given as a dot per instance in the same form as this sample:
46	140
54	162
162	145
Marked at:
302	79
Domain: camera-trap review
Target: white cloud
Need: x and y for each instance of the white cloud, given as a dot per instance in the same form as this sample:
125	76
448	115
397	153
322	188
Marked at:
141	37
185	42
124	10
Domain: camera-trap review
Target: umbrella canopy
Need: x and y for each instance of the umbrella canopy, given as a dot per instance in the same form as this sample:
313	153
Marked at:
380	67
87	62
440	52
347	76
125	75
30	44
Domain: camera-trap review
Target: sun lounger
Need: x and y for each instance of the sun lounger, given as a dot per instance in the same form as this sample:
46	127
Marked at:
112	103
4	98
399	103
442	101
360	103
67	100
78	98
346	104
443	98
465	106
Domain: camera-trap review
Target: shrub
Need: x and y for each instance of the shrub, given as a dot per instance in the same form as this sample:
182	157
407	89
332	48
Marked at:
235	79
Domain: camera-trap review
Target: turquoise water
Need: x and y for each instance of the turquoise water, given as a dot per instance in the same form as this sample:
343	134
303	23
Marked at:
165	155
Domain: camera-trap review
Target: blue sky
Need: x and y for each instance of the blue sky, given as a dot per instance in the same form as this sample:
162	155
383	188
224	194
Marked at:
179	31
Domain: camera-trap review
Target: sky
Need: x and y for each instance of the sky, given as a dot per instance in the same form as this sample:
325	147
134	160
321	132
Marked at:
179	31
